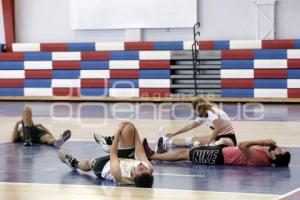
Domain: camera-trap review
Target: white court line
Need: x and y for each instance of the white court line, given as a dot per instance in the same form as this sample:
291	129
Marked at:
292	195
182	175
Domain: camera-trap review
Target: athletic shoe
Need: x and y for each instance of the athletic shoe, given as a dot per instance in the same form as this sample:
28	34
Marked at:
62	138
66	158
165	139
162	132
160	146
104	141
149	152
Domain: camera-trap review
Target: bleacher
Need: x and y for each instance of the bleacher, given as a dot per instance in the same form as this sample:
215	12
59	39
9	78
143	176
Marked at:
230	69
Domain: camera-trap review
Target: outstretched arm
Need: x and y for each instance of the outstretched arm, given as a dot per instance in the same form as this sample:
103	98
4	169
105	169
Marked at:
173	156
185	129
245	146
140	151
216	131
114	160
16	134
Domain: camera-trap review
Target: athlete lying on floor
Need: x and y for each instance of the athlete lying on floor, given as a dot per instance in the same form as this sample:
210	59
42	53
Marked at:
120	166
30	133
247	153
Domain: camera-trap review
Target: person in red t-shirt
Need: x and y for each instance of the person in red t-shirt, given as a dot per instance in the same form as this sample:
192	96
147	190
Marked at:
248	153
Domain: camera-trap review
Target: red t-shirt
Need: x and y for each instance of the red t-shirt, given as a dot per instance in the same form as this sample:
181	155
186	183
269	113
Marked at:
234	156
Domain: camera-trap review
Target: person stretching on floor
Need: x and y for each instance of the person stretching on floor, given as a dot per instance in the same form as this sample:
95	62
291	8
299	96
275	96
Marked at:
257	153
217	120
120	166
30	133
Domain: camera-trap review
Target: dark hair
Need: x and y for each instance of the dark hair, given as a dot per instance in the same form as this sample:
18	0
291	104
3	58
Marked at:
282	160
144	180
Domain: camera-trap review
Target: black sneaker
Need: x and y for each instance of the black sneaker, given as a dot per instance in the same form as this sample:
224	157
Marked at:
149	152
66	158
104	141
62	138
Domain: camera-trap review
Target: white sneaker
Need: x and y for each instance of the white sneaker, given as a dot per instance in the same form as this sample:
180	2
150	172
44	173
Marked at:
166	143
66	158
62	139
162	133
104	141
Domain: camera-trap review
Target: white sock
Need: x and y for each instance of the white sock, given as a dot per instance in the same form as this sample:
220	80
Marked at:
168	143
188	141
197	144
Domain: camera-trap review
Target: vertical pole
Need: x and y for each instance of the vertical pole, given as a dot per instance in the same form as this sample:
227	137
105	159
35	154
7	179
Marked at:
8	8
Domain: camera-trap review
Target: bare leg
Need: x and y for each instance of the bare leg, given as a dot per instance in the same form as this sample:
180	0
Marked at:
173	156
179	142
85	165
27	124
202	139
16	134
27	117
71	161
47	139
185	142
127	137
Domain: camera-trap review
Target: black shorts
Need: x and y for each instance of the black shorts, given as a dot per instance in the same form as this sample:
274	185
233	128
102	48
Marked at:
211	155
230	136
35	132
127	153
99	163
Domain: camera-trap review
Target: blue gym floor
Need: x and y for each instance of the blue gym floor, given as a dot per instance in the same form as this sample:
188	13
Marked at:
40	164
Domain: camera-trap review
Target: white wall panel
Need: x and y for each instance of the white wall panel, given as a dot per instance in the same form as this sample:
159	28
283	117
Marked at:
123	92
38	92
270	64
270	93
237	73
117	14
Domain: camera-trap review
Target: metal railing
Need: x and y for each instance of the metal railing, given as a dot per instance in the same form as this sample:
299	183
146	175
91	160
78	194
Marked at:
195	55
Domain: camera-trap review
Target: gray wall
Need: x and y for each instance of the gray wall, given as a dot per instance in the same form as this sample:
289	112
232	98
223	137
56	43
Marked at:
48	21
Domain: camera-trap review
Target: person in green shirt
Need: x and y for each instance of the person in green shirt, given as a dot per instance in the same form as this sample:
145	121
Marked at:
28	132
